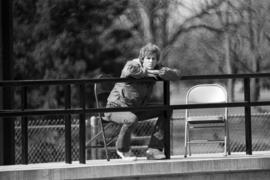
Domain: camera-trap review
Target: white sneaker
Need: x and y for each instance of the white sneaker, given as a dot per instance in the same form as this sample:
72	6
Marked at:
129	156
154	154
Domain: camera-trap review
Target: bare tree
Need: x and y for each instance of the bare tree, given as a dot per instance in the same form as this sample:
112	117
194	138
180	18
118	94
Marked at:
160	25
250	44
256	27
238	23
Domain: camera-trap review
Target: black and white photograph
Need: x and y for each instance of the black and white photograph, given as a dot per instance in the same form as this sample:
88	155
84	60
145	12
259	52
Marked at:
134	89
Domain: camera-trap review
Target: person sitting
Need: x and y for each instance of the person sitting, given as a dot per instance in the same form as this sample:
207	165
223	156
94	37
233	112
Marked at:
137	94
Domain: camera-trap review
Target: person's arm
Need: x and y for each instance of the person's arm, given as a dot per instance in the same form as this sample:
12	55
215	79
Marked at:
134	69
167	73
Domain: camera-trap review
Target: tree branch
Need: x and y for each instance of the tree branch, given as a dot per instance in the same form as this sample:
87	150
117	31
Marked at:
267	36
182	29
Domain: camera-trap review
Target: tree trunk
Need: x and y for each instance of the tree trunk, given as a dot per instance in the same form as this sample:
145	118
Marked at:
228	67
227	57
255	82
145	24
164	32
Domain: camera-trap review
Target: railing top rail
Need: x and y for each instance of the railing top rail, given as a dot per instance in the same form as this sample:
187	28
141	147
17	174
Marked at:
226	76
70	81
90	81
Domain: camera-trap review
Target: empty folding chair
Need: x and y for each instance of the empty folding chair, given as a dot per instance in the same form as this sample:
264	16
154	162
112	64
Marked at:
206	93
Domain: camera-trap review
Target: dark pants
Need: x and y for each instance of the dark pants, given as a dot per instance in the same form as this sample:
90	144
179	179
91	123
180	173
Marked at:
128	121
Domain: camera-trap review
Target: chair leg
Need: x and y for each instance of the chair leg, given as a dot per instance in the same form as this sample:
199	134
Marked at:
225	145
104	138
185	155
227	150
189	148
105	143
228	141
225	139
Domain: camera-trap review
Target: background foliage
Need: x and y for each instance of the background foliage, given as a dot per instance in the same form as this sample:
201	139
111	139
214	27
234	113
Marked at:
75	39
63	39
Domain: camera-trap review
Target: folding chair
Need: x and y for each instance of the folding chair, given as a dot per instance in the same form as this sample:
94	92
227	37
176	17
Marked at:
206	93
101	92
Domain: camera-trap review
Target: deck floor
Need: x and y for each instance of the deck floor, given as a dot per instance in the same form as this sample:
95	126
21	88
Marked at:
141	160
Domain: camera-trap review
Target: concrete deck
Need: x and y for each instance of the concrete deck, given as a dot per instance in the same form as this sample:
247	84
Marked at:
210	166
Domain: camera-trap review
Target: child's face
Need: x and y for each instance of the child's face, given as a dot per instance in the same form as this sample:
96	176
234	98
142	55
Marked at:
150	61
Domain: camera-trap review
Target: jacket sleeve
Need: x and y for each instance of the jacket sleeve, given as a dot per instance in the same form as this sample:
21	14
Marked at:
169	74
133	69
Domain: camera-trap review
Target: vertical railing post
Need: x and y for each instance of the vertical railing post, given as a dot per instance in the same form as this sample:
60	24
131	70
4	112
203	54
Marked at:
247	116
7	134
24	126
67	117
82	124
167	115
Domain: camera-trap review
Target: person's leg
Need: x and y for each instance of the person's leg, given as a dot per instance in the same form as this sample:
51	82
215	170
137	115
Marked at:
157	135
128	120
156	144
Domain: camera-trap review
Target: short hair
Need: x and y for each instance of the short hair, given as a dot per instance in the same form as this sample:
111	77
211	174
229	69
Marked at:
149	49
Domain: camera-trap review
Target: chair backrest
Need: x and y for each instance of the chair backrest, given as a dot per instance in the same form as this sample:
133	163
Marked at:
102	90
206	93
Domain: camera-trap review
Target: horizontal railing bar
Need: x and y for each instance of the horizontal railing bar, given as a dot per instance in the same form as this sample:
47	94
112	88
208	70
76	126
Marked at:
205	141
132	147
91	81
27	112
71	81
225	76
260	103
58	126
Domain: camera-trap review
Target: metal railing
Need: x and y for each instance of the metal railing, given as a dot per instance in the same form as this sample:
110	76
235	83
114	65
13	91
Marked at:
82	110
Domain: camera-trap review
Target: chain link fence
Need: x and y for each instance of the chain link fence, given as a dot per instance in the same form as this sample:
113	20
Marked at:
260	135
46	138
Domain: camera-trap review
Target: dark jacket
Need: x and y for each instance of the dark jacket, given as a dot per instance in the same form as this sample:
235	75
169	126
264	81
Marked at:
136	94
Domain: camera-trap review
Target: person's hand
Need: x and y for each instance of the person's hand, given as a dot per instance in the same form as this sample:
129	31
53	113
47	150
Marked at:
169	74
163	72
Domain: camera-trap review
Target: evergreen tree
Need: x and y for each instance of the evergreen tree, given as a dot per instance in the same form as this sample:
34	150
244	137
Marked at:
63	39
